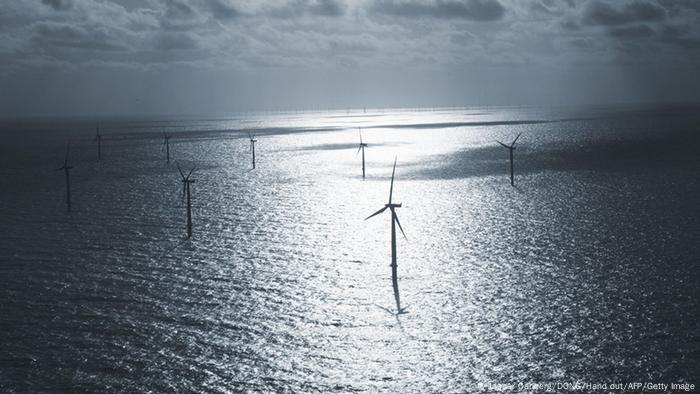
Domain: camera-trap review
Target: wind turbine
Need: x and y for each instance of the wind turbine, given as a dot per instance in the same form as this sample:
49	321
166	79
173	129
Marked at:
166	145
362	148
67	169
98	138
186	181
252	146
394	222
510	148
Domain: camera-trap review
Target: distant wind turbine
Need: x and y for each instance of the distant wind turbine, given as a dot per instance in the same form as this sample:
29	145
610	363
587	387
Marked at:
186	181
394	222
510	148
67	169
362	148
252	146
166	146
98	138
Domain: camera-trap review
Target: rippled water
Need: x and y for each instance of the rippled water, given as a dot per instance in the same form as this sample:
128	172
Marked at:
587	270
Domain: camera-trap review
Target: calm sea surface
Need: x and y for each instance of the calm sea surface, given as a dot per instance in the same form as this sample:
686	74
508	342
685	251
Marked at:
588	270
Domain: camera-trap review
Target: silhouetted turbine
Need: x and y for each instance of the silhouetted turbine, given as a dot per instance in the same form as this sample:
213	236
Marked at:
362	148
510	148
67	169
186	181
166	146
252	146
98	138
394	222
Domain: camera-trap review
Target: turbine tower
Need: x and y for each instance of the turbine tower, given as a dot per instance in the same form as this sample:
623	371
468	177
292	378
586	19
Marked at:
186	181
510	148
394	222
252	146
67	169
362	148
166	146
98	138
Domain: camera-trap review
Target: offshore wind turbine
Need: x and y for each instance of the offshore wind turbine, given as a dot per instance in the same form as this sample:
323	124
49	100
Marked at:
186	182
394	222
67	169
252	146
98	138
166	146
362	148
510	148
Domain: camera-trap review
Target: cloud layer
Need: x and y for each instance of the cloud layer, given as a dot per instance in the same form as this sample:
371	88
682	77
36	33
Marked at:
341	37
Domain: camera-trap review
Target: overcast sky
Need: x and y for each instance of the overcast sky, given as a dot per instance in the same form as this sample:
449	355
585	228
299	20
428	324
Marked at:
206	57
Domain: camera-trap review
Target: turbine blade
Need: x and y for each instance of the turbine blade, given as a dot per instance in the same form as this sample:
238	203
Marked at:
360	129
391	188
190	173
179	169
376	213
358	151
516	138
502	144
400	228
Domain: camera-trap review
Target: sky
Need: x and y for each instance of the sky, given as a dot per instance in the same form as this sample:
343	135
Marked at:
218	57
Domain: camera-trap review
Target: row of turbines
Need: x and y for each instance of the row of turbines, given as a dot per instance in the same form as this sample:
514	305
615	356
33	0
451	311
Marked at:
187	181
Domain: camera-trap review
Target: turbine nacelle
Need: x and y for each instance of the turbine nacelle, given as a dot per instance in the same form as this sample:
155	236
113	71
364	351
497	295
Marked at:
391	205
65	161
512	144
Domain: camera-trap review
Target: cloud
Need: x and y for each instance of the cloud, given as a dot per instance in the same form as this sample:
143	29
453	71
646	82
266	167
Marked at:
299	34
475	10
298	8
631	32
58	5
169	41
604	14
680	36
222	9
74	36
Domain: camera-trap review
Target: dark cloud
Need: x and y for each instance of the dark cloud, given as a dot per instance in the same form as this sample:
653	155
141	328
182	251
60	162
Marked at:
476	10
176	41
604	14
327	8
569	24
222	9
584	44
51	35
58	5
180	16
680	36
631	32
297	8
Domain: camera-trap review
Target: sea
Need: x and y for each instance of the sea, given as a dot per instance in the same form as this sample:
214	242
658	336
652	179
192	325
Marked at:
586	270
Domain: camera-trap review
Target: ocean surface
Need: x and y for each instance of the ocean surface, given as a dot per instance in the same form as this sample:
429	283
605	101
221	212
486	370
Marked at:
586	271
